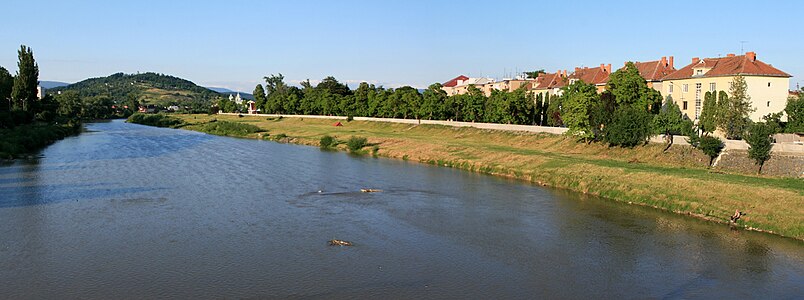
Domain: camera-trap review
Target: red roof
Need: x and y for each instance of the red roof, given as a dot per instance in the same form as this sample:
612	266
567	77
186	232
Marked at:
729	66
550	80
597	75
654	70
454	81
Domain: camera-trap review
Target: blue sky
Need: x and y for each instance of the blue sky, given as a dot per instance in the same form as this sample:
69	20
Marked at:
233	44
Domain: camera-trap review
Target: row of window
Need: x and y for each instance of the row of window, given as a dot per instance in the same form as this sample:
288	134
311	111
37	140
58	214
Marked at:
685	87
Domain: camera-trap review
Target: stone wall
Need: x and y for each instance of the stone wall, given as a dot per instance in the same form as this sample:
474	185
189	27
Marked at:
780	163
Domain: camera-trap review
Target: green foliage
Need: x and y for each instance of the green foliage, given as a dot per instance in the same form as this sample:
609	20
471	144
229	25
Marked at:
6	85
30	137
629	88
554	112
327	142
774	122
158	120
670	120
355	143
760	141
227	128
534	74
24	90
707	121
734	110
795	114
630	126
259	96
579	101
711	146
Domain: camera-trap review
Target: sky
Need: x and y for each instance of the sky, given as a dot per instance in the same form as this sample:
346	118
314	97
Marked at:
234	44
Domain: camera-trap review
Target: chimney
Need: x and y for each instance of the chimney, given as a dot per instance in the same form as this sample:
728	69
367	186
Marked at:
670	62
664	61
695	60
730	55
565	73
752	56
577	70
608	68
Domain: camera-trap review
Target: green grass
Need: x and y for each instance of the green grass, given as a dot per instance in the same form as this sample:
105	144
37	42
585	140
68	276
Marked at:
227	128
25	139
158	120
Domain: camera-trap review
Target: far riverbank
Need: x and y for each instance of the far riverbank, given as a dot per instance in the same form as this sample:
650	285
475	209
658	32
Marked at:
676	180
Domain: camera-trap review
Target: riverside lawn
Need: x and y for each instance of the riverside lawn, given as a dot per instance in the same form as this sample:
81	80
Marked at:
676	180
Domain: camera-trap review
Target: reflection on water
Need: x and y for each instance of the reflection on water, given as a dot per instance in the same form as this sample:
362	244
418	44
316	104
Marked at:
138	212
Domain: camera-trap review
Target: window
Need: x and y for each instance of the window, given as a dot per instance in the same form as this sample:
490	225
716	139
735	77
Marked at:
685	87
712	87
684	104
768	84
670	89
768	103
697	100
699	72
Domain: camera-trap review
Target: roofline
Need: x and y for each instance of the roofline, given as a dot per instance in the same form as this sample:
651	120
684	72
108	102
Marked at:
731	75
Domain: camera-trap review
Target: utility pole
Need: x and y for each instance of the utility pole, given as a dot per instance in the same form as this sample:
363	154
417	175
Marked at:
742	46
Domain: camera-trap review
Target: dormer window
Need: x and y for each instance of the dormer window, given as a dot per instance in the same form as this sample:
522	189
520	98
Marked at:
698	72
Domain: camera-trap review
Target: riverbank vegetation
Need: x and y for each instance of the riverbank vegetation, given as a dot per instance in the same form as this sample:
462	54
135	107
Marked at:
27	122
157	120
677	179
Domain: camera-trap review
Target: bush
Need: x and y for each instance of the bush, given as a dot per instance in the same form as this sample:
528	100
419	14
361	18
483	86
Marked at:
760	142
327	142
229	128
158	120
356	143
630	126
711	146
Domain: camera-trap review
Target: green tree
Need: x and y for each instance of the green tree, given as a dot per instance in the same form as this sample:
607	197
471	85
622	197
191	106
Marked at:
707	121
6	85
711	146
735	109
669	121
474	105
24	90
629	127
760	141
795	114
259	96
534	74
554	111
69	104
434	102
579	100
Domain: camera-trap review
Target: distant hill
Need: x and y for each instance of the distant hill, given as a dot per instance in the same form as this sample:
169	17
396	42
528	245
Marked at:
52	84
148	88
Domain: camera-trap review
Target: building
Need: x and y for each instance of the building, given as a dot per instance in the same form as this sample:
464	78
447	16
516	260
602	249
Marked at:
40	92
767	86
449	86
508	85
461	86
598	76
655	71
550	83
236	99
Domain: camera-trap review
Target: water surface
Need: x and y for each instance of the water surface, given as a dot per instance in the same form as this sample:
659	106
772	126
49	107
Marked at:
129	211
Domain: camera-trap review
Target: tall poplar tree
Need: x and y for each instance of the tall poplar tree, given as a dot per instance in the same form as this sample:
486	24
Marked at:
24	90
708	118
6	84
734	112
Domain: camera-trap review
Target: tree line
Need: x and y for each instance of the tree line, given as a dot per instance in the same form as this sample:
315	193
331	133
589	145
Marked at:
626	114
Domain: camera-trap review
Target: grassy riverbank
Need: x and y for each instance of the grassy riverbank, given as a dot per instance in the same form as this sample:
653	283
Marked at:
26	139
676	180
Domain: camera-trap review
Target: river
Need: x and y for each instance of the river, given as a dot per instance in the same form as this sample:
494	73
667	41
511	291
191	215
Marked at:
129	211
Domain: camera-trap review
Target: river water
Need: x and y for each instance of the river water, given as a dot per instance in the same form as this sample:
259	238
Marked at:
129	211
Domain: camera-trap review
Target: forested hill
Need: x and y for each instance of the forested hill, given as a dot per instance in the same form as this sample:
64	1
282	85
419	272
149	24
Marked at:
147	88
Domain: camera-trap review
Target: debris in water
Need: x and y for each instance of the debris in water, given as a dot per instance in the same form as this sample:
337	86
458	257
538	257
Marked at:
335	242
370	190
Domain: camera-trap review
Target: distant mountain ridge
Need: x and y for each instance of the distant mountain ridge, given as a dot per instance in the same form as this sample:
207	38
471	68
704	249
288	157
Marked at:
52	84
147	88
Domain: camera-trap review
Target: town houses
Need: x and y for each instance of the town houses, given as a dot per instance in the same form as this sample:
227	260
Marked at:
767	85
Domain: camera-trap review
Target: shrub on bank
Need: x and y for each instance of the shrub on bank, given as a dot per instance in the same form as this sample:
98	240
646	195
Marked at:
158	120
356	143
30	137
229	128
327	142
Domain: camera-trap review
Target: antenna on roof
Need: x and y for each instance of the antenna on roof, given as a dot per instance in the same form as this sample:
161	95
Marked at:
742	45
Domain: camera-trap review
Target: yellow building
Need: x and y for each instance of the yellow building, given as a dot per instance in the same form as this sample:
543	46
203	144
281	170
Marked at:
767	86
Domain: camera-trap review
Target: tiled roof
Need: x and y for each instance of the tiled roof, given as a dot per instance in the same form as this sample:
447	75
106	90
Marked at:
454	81
597	75
550	80
728	66
654	70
